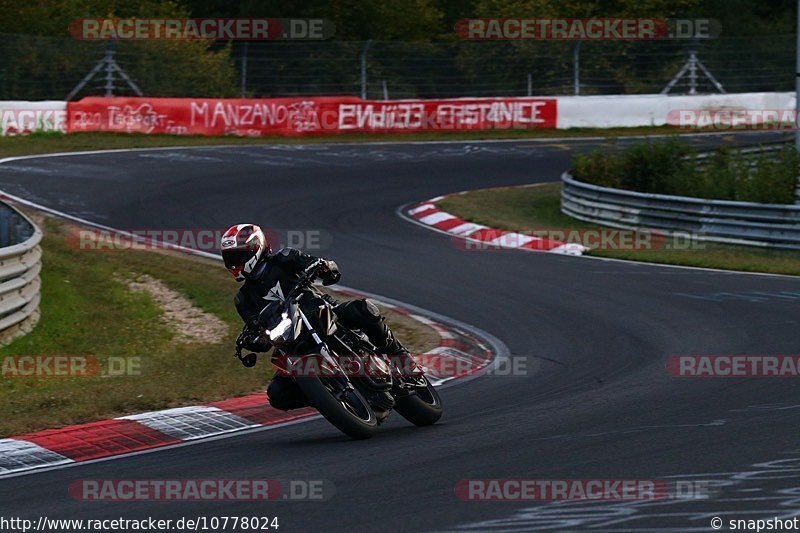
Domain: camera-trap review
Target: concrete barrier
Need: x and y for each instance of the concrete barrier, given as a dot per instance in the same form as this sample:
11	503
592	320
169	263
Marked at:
620	111
608	111
20	117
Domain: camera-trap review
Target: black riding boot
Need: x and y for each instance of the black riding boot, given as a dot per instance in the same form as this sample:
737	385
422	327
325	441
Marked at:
394	348
364	315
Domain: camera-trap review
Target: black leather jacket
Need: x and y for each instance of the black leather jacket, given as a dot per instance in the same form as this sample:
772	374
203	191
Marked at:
273	277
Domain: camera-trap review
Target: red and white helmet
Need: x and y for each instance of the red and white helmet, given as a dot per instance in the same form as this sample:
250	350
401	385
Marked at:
242	246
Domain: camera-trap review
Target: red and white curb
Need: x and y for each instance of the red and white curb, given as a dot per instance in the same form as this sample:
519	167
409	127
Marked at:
459	353
458	350
428	214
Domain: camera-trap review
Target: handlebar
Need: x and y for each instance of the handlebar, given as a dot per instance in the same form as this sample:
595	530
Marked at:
308	275
313	267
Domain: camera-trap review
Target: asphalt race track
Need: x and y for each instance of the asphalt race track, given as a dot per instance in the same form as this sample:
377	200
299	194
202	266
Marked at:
599	404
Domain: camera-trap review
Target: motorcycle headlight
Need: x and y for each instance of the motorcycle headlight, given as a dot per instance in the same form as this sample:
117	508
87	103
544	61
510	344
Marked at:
283	326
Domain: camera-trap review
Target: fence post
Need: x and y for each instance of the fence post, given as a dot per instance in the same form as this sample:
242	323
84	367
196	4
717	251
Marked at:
364	69
691	66
109	59
576	68
244	70
110	66
692	72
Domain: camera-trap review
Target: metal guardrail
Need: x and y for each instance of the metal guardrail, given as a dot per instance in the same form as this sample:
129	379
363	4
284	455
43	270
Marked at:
20	265
701	159
747	223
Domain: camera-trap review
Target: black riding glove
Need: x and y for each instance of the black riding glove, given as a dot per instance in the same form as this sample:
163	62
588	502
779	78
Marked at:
329	272
249	339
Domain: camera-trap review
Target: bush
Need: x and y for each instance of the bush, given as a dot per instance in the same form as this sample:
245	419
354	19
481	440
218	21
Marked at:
659	167
599	168
671	167
772	179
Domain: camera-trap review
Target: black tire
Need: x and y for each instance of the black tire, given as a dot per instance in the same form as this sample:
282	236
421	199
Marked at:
423	408
348	422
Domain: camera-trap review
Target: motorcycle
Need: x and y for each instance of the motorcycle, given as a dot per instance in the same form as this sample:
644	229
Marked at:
341	373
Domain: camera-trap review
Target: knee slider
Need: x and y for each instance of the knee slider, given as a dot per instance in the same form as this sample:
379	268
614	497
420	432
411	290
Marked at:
369	310
277	396
281	405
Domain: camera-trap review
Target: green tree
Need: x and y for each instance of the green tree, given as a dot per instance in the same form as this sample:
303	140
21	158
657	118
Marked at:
38	67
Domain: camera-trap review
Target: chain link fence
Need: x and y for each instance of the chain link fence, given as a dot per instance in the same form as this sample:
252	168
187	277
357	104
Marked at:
36	68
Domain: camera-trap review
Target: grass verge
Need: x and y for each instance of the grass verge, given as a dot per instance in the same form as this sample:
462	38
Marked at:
88	310
50	142
537	207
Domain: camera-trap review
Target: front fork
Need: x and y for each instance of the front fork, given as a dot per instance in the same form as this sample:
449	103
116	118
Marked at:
322	348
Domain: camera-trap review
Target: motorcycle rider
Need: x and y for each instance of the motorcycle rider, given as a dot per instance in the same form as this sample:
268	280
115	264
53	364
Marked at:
267	276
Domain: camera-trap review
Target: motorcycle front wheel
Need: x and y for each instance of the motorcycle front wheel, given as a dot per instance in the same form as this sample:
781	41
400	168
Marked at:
422	407
341	405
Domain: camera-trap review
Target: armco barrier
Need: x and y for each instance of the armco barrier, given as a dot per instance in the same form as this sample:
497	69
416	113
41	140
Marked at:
20	264
767	225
